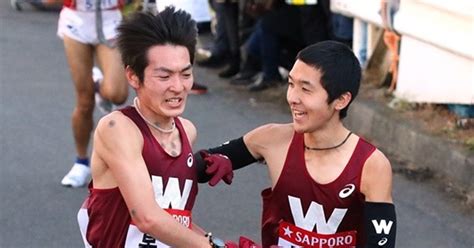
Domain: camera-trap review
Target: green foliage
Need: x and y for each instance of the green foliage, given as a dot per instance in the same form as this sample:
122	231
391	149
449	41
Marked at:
131	7
470	144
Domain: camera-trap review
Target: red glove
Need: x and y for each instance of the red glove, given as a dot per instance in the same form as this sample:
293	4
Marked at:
230	244
244	242
219	167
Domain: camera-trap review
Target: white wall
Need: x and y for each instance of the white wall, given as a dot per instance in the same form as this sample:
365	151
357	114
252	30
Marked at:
437	46
199	9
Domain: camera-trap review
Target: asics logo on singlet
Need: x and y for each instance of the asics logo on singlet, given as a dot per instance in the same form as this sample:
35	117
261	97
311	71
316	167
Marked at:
190	160
382	241
347	191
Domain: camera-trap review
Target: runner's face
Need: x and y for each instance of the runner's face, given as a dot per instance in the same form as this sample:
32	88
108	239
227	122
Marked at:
308	99
167	80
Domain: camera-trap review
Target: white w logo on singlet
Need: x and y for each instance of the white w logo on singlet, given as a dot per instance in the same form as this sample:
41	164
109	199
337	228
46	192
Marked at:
315	217
172	196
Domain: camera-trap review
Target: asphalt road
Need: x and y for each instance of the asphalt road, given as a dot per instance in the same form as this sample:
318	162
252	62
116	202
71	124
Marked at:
36	150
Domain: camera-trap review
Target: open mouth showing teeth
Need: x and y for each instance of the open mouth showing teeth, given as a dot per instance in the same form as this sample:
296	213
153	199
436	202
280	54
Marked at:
299	113
174	100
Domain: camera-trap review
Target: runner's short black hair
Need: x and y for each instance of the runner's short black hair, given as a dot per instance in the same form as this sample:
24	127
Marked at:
141	31
339	67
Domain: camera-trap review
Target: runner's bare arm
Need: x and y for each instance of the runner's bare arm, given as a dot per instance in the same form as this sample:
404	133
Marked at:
118	142
380	216
376	182
270	143
197	229
266	142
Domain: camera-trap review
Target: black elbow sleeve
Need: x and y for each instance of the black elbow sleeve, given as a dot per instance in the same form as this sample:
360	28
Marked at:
236	151
380	224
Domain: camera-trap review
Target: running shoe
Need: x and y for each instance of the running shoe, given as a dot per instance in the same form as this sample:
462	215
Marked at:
77	177
202	54
104	105
263	83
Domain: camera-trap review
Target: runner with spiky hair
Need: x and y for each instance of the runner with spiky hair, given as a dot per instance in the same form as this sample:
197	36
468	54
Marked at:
144	182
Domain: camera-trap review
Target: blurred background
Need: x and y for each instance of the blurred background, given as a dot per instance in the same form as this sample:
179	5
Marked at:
415	103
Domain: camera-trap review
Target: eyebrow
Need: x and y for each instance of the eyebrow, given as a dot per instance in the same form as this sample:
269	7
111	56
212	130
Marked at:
305	82
164	69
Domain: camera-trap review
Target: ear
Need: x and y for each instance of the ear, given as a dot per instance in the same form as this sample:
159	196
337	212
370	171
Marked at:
132	78
342	101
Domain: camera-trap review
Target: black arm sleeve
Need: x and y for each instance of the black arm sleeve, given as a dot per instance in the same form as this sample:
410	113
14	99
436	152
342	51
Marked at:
235	150
380	224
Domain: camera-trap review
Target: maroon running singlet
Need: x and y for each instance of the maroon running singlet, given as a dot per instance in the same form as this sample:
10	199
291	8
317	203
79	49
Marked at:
105	215
302	212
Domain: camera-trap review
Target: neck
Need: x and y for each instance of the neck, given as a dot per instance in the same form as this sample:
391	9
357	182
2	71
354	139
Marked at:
155	124
326	139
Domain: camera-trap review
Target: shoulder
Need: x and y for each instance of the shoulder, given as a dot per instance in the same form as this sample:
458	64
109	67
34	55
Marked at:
376	181
114	121
377	163
116	126
189	128
268	136
117	138
271	132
